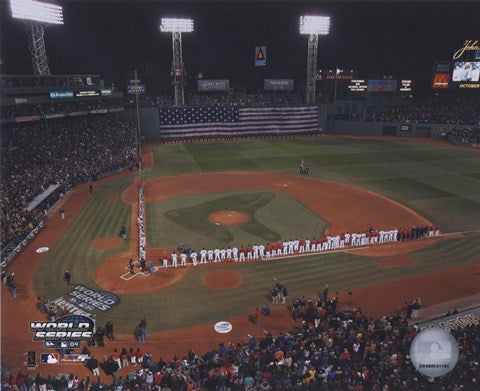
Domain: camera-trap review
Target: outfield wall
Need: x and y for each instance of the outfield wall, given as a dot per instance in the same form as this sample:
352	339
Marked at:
150	123
428	130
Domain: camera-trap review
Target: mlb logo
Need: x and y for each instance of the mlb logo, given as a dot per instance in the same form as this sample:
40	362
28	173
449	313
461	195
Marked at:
49	358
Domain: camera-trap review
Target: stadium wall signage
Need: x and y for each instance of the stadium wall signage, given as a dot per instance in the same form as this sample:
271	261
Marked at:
456	321
90	300
213	85
260	56
61	94
469	45
87	93
278	84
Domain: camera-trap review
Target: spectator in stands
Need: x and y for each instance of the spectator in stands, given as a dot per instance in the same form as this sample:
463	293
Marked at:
63	152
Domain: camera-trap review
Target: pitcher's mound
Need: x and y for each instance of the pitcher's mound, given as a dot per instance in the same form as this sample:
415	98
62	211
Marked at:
228	217
107	243
222	279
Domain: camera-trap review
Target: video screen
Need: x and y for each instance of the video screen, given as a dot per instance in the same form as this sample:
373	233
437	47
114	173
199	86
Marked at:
466	71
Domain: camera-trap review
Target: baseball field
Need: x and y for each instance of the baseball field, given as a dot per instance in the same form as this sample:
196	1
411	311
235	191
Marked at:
225	194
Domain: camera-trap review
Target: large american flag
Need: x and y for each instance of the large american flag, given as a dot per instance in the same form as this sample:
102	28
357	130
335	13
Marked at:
184	122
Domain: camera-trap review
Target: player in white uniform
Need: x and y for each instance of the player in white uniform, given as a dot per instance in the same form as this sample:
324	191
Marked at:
307	245
347	238
183	259
235	254
290	246
382	236
336	242
395	235
164	262
364	239
174	259
285	247
217	255
353	238
229	253
255	251
296	244
210	255
203	256
223	254
261	251
193	256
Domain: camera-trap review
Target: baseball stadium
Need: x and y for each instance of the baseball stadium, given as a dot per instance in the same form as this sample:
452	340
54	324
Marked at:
239	196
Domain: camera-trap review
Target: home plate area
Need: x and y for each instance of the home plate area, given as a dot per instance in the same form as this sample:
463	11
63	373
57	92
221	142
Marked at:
128	276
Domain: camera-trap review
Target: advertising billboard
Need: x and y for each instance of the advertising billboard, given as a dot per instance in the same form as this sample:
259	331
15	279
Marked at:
278	84
357	85
61	94
133	89
87	93
260	56
406	86
441	80
382	85
213	85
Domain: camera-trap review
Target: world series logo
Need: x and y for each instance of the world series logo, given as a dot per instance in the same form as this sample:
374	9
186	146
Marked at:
65	332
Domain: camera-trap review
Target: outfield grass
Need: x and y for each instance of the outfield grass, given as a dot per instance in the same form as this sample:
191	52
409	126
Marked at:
439	183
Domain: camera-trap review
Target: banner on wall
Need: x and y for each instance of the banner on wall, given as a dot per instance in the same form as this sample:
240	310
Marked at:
213	85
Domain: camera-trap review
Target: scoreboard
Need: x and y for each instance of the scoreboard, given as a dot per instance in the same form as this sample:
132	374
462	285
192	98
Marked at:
456	74
463	71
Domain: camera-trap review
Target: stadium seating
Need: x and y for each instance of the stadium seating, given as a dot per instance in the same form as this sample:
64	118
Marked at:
65	152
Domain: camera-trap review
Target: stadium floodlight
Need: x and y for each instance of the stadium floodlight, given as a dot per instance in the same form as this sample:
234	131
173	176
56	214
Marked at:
37	11
313	26
37	15
318	25
177	26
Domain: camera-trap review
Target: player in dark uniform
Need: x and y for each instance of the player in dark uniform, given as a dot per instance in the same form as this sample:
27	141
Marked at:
131	266
67	277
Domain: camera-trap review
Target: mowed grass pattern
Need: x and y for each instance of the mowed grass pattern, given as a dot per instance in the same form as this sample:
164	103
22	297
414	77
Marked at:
272	216
439	183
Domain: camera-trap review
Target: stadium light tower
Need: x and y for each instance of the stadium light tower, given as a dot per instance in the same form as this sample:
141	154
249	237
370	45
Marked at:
177	27
313	26
37	15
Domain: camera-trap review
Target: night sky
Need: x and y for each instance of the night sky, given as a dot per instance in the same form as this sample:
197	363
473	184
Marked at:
113	38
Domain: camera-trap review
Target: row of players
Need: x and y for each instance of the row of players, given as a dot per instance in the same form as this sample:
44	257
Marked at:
302	246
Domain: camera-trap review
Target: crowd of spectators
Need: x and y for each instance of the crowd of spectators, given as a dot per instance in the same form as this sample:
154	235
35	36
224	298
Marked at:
222	99
66	152
243	99
441	109
465	136
328	349
10	112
